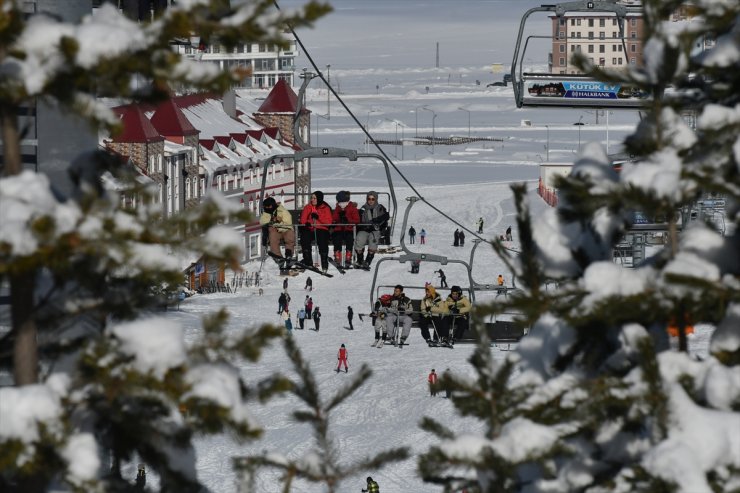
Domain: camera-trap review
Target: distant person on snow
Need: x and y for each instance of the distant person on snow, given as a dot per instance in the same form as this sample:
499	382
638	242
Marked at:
288	322
285	284
432	379
442	278
309	284
373	218
456	238
316	318
508	234
347	216
316	218
282	302
500	280
301	318
423	236
372	486
350	316
480	225
412	235
462	237
342	358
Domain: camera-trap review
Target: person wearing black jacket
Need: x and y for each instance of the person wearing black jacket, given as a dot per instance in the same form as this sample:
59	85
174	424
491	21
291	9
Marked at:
350	316
316	318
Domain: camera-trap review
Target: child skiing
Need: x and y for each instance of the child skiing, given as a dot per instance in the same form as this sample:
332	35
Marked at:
342	358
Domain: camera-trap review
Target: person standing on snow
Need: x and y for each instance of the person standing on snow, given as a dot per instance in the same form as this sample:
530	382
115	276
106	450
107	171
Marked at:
287	321
480	225
316	219
423	236
412	235
456	238
432	379
372	486
373	218
462	237
345	218
508	234
309	284
309	306
301	318
442	278
316	318
342	358
285	284
350	316
282	302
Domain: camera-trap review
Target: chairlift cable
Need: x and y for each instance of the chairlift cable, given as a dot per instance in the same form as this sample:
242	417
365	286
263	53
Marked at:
320	74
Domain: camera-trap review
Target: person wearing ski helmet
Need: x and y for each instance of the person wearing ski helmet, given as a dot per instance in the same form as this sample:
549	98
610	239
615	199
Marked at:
373	218
345	218
279	225
316	219
459	307
372	486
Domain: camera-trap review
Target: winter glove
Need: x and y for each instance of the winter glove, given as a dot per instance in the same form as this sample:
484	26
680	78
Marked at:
314	215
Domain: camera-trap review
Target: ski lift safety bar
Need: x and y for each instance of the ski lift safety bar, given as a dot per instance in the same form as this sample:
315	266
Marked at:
572	90
333	152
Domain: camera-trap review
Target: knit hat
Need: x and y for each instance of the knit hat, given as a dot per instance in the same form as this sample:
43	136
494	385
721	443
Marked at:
342	345
398	286
319	196
269	204
455	289
373	194
343	196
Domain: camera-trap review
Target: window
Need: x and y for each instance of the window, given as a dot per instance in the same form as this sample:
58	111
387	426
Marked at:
562	35
614	22
572	22
572	48
219	182
578	48
602	35
562	21
633	61
602	22
590	35
614	61
152	168
614	34
216	48
633	22
602	61
563	72
202	186
602	48
254	245
562	61
572	34
633	48
619	48
633	35
562	48
187	188
263	48
578	22
590	48
590	23
578	35
159	163
619	61
614	47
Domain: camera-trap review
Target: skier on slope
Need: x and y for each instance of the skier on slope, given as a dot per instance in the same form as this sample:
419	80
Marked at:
372	486
350	316
342	358
316	318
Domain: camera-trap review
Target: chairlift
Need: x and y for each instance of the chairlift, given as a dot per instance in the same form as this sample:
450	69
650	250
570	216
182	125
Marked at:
307	152
573	90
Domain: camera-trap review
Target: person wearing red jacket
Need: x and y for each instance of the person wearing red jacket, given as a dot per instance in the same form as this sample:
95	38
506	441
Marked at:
432	379
315	221
342	358
346	216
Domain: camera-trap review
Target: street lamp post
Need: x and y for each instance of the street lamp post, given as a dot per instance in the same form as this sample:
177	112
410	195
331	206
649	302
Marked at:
395	142
548	142
463	109
434	117
367	128
416	120
328	92
579	124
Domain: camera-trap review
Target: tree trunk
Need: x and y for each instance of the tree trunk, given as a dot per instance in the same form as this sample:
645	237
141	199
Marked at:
25	349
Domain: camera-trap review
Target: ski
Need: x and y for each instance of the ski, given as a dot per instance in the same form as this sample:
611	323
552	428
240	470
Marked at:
289	264
336	265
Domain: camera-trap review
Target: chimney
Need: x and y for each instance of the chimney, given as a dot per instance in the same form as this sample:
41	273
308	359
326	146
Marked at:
229	103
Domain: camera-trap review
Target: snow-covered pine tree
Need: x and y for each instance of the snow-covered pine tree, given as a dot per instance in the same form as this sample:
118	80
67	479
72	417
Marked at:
597	397
95	372
322	464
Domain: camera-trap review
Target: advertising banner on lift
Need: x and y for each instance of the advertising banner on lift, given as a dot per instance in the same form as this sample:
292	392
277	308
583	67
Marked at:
581	89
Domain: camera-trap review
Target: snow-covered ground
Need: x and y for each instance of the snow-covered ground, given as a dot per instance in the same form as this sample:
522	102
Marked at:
389	96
